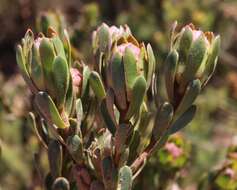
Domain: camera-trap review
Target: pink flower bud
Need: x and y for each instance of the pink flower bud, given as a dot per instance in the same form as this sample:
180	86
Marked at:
136	50
76	79
173	150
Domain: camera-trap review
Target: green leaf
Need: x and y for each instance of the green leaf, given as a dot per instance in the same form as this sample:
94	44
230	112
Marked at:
86	75
27	43
75	148
163	140
170	72
172	34
183	120
103	37
55	157
125	178
97	85
134	144
195	58
58	46
69	97
151	64
130	68
68	48
192	91
138	93
31	119
60	73
163	117
48	109
79	112
185	43
118	81
36	69
21	64
212	59
43	23
47	55
108	119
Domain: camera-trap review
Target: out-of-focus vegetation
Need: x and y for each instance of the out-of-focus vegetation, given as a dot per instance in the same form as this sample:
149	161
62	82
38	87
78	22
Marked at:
207	137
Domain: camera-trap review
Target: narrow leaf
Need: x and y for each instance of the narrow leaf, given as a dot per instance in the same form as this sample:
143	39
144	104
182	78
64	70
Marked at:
58	46
151	64
68	48
118	81
55	157
103	37
36	69
191	93
130	68
86	74
48	109
97	85
138	93
21	64
183	120
47	55
185	43
170	72
110	124
60	73
163	117
69	97
195	58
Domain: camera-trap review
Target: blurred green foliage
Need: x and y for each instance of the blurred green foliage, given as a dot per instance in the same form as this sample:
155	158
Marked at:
209	134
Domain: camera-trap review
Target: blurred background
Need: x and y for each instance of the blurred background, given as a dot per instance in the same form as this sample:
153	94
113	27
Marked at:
215	125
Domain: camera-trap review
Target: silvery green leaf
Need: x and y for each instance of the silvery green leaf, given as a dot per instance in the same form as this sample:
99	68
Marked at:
60	72
130	68
170	72
195	58
48	110
125	178
185	43
86	74
97	85
47	56
103	37
22	66
36	69
68	48
151	64
118	81
58	46
138	93
212	59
